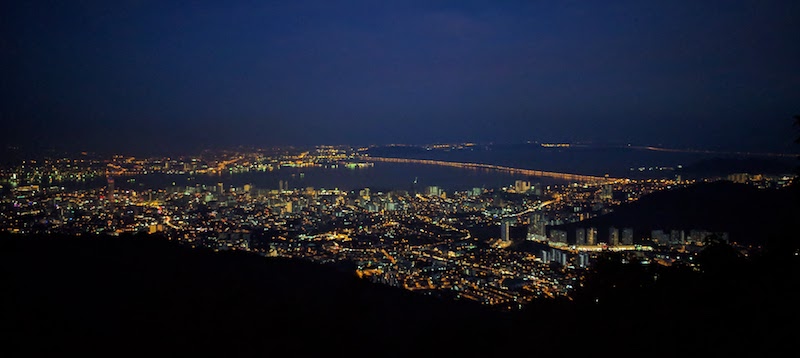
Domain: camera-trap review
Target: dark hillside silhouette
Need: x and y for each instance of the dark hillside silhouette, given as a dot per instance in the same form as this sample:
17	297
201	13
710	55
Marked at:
142	295
750	215
74	293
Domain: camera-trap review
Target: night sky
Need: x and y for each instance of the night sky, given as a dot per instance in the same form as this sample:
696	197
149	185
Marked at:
173	75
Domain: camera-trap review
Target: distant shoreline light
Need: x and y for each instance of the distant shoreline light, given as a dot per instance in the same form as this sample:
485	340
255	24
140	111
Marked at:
555	145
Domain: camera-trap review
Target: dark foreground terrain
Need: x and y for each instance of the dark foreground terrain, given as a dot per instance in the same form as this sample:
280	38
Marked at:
142	295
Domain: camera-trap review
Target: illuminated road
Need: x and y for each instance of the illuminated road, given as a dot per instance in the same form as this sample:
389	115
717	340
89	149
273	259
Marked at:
528	172
538	207
168	222
388	256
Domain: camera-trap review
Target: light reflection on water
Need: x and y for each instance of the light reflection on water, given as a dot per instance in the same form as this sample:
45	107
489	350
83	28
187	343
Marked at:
381	177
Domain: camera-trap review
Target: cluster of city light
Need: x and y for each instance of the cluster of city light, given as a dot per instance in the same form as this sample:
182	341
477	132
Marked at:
385	234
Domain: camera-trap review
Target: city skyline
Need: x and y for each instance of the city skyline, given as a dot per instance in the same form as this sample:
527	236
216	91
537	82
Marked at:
486	242
618	178
135	76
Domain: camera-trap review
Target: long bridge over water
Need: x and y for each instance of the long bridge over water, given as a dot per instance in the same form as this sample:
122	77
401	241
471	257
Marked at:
510	170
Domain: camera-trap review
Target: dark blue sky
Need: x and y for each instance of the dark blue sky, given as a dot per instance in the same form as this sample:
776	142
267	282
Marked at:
128	75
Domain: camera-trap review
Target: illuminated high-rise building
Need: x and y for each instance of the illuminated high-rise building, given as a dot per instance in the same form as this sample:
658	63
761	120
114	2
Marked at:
522	186
659	236
537	189
591	236
110	189
558	236
538	228
364	193
613	236
677	237
607	192
738	177
627	236
505	230
583	259
580	236
698	236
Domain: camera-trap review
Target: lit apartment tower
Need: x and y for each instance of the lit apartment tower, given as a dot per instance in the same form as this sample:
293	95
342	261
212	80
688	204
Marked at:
545	256
580	236
559	236
698	236
221	187
607	192
591	236
537	228
627	236
659	236
505	231
613	236
558	256
677	237
537	189
738	177
522	186
110	191
583	259
283	185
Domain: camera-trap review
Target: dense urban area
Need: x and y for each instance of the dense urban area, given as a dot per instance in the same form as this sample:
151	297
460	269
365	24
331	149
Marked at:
499	246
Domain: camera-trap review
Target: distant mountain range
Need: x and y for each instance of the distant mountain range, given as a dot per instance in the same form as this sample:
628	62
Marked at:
725	166
599	160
